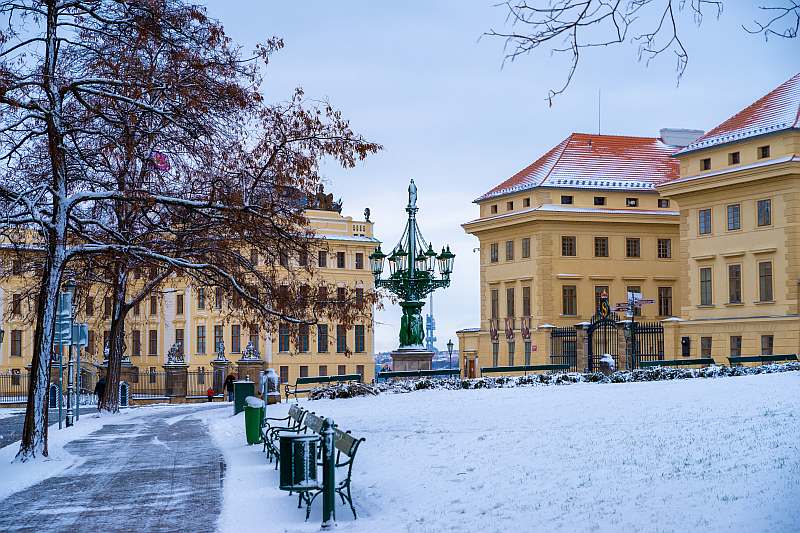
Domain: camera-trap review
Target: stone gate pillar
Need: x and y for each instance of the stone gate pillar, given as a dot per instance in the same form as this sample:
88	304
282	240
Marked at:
220	373
582	346
176	378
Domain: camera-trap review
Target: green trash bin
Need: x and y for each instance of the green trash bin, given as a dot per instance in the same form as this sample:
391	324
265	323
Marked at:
241	390
253	415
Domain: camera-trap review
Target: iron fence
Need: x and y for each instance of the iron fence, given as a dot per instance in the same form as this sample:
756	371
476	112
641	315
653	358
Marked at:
564	347
199	381
148	384
13	388
648	342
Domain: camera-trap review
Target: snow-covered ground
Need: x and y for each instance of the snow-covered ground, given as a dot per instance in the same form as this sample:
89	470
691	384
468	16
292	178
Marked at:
693	455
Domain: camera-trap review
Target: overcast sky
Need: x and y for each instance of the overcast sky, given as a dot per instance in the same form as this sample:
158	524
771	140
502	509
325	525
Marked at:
418	78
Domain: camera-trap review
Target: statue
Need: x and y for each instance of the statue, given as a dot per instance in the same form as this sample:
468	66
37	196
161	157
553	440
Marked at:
412	195
250	352
220	351
366	215
175	354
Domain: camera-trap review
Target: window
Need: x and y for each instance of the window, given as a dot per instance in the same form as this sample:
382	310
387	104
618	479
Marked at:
633	247
527	352
219	297
179	339
236	338
302	258
566	200
253	338
763	152
526	202
704	221
322	338
705	164
283	258
734	217
509	250
568	247
526	248
284	374
663	203
705	286
493	209
359	295
16	343
511	348
339	259
510	301
764	212
201	298
340	295
152	375
136	343
323	370
495	354
360	344
179	304
16	267
705	346
303	371
201	339
767	344
665	301
569	297
599	200
733	158
600	291
218	339
736	346
90	343
360	371
322	259
495	303
765	281
494	252
359	261
509	206
16	305
302	338
89	306
632	202
664	248
637	311
107	307
601	246
137	310
526	301
735	284
152	342
341	370
283	338
341	339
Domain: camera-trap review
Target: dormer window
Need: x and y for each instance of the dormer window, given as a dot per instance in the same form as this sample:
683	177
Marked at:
566	200
632	202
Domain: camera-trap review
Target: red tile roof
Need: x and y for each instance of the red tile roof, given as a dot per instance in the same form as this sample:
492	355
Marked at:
777	110
587	161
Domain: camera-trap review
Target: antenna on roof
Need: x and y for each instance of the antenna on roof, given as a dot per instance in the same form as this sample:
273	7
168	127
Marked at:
598	111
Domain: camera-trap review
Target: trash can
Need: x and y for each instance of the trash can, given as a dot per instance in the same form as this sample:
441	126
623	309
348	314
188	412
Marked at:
253	415
241	390
298	460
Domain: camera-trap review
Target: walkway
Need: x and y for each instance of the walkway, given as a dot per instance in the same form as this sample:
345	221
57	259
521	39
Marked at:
156	472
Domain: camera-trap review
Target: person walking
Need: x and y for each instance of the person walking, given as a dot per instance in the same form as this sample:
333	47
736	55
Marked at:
229	386
99	390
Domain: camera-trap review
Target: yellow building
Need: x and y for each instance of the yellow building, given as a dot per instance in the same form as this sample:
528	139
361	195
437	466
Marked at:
739	197
195	316
583	220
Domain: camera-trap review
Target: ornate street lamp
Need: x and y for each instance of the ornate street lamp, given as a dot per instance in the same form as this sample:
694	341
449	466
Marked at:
450	351
412	275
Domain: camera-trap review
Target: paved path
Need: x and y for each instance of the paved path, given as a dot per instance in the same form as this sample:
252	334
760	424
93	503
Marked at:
11	426
156	472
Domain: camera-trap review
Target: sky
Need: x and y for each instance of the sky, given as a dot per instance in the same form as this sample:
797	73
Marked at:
419	78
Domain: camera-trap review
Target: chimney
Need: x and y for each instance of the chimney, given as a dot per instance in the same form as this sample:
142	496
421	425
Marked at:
679	136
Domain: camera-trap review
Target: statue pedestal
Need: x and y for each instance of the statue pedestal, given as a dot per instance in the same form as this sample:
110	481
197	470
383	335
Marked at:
411	359
250	369
220	373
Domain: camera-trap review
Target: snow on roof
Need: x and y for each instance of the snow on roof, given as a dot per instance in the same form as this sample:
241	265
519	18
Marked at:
791	158
777	110
557	208
596	162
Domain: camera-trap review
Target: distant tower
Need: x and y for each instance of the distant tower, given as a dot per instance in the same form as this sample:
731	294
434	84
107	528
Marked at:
430	329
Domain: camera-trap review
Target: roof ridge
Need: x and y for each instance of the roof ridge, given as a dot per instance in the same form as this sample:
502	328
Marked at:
616	135
565	144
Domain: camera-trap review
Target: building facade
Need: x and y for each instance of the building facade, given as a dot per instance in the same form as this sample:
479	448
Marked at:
197	317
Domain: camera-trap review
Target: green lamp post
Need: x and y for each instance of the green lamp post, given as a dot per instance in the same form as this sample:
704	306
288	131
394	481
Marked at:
412	276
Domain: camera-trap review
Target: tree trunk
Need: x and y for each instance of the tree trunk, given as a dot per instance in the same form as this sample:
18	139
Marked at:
116	343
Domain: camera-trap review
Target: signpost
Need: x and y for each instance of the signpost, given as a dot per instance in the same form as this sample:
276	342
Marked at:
73	336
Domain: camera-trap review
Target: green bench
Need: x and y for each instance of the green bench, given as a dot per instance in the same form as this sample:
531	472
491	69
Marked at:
317	380
523	368
738	360
703	361
409	374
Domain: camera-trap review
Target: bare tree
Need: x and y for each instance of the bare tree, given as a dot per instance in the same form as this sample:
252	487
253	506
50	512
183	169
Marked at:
135	131
571	26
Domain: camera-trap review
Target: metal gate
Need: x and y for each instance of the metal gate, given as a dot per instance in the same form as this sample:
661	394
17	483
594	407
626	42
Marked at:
564	347
648	342
604	338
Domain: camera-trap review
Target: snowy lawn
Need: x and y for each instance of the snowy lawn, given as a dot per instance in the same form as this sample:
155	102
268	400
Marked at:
693	455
